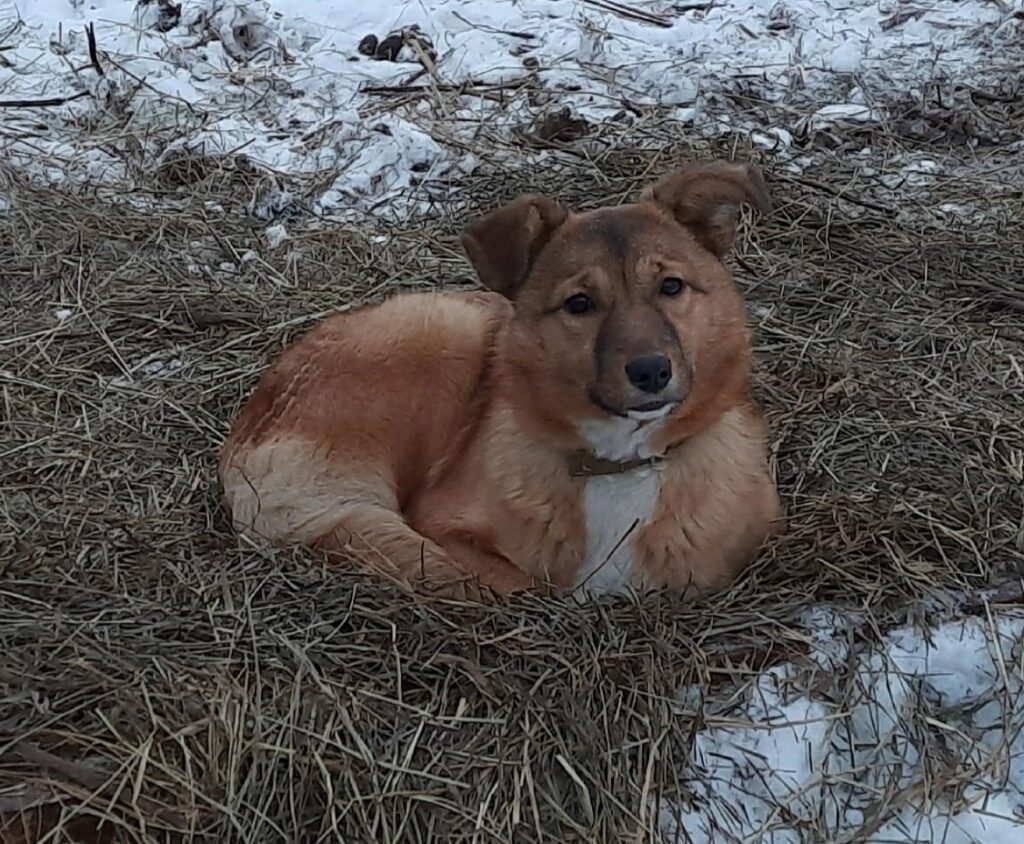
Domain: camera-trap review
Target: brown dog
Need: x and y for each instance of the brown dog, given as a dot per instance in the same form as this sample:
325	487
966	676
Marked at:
588	423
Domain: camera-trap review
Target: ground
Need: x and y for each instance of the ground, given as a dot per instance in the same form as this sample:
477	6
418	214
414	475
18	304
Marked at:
222	179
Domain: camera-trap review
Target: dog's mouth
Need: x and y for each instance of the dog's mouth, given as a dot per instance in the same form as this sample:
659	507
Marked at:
649	406
651	410
642	411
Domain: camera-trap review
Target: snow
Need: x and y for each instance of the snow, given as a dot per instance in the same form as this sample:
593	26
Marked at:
152	367
276	235
282	81
882	719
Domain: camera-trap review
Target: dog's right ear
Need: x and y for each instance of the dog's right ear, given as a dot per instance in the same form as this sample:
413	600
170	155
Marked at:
503	244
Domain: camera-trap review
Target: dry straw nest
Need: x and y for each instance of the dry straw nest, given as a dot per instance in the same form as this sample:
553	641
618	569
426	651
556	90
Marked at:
165	679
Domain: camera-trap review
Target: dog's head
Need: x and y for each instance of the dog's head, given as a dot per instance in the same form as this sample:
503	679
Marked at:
625	311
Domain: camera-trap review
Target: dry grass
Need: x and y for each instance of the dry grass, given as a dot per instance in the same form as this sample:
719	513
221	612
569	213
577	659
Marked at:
160	675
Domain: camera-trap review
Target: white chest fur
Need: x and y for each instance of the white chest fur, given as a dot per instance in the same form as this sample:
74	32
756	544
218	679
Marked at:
617	506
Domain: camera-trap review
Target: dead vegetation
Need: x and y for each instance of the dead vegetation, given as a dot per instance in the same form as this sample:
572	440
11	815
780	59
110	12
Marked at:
162	681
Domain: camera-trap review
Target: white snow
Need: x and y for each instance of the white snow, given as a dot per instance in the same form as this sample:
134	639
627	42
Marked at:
282	82
157	368
276	235
882	720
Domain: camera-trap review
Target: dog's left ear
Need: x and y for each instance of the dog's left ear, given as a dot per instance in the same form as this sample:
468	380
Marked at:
706	199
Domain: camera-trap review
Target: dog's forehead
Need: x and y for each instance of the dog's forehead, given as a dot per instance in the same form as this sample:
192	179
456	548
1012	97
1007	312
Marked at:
616	231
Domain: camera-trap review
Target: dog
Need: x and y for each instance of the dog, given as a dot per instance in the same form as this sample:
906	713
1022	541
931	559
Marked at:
585	423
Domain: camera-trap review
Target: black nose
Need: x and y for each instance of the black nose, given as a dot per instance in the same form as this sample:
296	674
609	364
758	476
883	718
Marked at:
650	373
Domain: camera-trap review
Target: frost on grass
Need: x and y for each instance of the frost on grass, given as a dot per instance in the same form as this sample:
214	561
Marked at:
293	85
914	739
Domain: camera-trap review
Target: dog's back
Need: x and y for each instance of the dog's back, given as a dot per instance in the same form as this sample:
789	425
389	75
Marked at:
397	389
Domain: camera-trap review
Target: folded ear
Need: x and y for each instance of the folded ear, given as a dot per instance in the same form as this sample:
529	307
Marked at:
706	199
503	244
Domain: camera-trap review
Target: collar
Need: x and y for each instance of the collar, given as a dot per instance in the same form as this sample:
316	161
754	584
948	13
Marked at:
586	464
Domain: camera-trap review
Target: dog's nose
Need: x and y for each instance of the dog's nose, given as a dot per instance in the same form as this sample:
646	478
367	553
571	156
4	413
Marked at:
650	373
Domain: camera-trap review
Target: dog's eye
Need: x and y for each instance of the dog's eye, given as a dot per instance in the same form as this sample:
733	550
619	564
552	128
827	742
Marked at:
672	286
578	303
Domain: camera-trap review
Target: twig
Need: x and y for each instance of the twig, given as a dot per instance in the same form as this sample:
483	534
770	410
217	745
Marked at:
94	58
477	88
839	194
205	318
624	11
998	292
47	103
525	36
989	97
144	84
901	18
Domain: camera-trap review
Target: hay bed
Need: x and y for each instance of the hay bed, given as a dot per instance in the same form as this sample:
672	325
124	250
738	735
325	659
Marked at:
161	677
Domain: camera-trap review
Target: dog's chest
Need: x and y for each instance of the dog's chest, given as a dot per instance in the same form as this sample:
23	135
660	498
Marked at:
617	507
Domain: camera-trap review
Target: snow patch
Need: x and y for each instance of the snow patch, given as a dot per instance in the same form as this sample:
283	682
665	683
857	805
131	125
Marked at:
276	235
286	84
944	705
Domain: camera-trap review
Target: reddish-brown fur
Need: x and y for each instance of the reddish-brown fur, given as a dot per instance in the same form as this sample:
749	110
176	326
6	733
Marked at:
430	435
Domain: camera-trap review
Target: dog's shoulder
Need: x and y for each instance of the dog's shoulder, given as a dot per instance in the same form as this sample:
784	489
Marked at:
415	314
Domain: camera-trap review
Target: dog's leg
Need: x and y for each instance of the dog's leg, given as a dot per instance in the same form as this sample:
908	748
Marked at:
383	541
